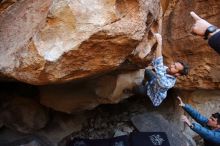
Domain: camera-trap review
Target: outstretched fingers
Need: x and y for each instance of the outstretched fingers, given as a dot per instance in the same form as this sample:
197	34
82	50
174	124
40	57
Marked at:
179	98
195	16
158	38
181	102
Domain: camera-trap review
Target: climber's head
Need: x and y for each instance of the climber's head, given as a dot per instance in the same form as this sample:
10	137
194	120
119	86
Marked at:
178	68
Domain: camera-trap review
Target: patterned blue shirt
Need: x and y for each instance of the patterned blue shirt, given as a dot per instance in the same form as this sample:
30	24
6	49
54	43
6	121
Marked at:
157	88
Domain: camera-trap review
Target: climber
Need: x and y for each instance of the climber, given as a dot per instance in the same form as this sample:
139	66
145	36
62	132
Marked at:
208	129
210	32
160	80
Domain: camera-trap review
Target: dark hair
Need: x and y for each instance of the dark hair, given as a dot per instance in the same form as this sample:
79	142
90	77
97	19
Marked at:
185	70
217	116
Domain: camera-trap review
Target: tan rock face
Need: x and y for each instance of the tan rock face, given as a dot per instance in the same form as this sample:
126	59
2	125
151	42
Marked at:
55	42
71	98
19	22
46	42
180	44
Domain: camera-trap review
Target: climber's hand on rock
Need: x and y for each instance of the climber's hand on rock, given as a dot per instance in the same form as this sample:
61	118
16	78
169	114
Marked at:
158	38
200	25
181	102
185	120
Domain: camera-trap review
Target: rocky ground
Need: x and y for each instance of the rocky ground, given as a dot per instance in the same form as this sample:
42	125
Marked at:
108	121
105	121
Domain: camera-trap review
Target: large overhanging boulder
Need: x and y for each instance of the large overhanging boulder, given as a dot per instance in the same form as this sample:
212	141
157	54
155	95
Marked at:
179	43
45	41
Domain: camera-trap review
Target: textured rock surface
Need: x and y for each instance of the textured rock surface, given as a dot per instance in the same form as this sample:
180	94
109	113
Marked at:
60	126
24	115
43	42
75	39
180	44
104	121
20	20
77	97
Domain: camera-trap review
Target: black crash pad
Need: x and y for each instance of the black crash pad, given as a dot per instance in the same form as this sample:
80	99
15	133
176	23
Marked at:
134	139
154	122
